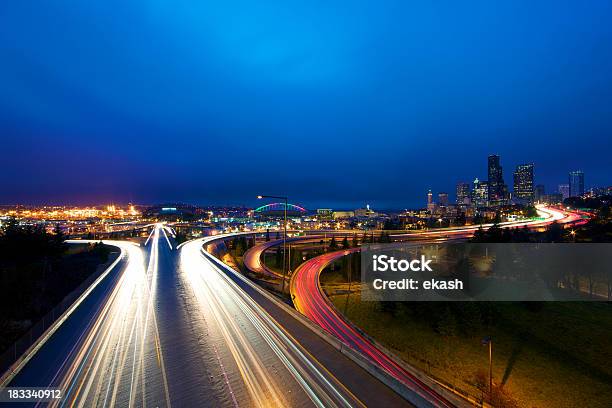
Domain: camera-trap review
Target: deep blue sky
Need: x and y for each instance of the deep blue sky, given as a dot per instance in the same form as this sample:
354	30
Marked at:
341	104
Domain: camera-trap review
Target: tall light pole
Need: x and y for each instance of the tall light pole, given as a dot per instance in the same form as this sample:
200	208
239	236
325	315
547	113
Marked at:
489	341
259	197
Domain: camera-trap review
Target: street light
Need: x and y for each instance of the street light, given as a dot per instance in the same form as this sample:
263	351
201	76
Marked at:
489	341
259	197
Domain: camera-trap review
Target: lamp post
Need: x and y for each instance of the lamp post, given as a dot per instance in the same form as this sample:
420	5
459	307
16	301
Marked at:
259	197
489	341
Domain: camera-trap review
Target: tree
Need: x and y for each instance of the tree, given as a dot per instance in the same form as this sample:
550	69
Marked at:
243	243
471	320
278	258
364	238
267	234
554	232
530	212
58	246
494	233
447	323
479	235
497	218
507	235
604	212
355	240
333	245
345	243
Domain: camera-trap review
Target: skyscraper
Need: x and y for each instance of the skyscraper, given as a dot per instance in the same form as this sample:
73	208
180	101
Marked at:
480	196
497	189
463	193
539	192
576	183
564	190
443	199
523	182
430	204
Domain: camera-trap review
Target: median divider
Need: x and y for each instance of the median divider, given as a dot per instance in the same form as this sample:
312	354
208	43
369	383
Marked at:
372	368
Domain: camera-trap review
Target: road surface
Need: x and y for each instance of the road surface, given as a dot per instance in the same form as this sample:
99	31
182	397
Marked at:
275	368
253	257
309	299
168	326
106	352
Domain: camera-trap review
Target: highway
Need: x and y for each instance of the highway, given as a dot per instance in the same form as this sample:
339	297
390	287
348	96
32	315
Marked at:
309	299
548	215
263	363
106	351
253	257
167	326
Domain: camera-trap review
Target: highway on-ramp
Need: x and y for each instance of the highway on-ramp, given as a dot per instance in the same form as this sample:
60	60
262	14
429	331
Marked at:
309	299
105	350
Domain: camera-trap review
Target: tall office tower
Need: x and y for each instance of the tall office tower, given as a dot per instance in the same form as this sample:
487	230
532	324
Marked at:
430	204
523	182
443	199
576	183
463	194
498	191
539	192
480	194
564	190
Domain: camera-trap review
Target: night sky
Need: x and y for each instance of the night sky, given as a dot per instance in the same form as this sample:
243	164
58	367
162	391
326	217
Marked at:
336	105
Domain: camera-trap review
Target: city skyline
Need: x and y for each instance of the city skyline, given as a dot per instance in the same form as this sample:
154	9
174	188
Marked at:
468	187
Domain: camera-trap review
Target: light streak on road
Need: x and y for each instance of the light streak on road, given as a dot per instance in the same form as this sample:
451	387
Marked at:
255	342
310	300
119	361
549	215
163	229
253	257
47	335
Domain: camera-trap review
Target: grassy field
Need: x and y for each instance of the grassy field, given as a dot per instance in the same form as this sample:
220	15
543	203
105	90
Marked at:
545	355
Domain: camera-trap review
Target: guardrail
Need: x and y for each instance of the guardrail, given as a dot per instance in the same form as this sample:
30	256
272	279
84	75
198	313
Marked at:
354	355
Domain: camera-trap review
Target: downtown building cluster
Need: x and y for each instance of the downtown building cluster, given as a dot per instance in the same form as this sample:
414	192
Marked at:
494	192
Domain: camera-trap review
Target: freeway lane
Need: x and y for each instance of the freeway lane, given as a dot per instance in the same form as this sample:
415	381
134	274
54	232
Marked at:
548	215
253	257
310	300
107	351
167	327
258	330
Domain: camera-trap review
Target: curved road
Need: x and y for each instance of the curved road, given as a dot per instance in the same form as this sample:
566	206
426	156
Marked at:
168	326
310	300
